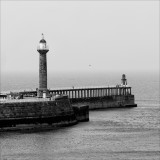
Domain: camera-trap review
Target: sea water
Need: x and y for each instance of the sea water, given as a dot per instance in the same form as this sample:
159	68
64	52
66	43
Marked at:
111	134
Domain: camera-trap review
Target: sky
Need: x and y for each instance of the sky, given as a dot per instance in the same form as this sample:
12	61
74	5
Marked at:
82	35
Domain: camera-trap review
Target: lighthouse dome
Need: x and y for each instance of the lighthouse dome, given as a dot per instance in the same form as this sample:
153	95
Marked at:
42	41
42	44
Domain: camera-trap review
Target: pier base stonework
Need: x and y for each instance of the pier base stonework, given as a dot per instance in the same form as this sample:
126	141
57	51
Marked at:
43	93
118	101
34	113
81	112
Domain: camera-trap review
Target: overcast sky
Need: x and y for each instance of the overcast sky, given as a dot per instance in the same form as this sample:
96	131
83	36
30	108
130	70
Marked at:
82	35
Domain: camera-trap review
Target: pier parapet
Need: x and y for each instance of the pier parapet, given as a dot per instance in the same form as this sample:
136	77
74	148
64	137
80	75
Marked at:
77	93
39	113
86	92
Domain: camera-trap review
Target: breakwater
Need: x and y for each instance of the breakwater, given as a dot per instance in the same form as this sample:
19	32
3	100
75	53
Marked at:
95	97
58	112
107	102
64	106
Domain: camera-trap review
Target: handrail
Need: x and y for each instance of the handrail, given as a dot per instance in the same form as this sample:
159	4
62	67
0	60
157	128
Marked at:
85	92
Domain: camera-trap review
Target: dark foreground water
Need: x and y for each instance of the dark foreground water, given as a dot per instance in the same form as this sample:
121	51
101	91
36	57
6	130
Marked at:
112	134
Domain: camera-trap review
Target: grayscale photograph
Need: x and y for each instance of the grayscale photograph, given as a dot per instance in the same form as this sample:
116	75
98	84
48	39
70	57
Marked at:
79	80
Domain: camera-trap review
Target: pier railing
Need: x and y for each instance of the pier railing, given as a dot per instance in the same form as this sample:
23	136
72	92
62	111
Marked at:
82	93
92	92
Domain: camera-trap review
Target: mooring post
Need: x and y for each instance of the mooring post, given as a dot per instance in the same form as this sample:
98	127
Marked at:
94	93
87	93
98	92
78	94
130	90
90	92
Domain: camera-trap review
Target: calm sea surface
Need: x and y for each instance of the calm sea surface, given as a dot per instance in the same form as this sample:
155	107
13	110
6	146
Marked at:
112	134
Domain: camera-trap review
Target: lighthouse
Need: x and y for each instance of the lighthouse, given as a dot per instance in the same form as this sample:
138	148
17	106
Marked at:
42	49
123	80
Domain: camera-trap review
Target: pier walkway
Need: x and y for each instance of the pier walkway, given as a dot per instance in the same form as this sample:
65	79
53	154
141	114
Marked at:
93	92
94	97
88	92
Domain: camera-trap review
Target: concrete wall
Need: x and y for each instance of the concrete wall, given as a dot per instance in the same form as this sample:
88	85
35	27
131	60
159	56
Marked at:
107	102
57	113
36	112
81	113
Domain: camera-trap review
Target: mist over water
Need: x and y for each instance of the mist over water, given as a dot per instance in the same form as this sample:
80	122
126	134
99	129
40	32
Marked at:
144	85
124	134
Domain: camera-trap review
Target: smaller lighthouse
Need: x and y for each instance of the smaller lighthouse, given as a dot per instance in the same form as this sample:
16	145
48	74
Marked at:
42	49
123	80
